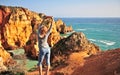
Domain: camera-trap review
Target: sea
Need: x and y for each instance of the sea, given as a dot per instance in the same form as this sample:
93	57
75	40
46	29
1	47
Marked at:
104	32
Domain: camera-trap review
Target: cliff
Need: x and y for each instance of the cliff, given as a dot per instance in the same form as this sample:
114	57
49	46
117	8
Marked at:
76	43
73	55
70	53
17	24
103	63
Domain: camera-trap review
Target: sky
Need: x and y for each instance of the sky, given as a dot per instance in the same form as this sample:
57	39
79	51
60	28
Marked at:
70	8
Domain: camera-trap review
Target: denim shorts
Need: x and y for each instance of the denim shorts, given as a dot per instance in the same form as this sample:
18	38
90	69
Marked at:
44	53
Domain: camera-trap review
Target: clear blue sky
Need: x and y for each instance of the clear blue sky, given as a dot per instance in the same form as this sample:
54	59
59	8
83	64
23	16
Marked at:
70	8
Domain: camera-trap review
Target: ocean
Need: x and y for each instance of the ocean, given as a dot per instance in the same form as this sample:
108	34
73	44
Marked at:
104	32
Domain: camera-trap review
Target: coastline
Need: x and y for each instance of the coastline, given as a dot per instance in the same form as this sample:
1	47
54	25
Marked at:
73	51
101	31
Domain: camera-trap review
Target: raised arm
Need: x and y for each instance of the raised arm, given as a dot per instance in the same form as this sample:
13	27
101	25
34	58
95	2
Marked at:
49	30
39	30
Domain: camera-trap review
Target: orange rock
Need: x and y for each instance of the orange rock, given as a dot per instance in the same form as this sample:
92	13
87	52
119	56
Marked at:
17	27
2	66
55	36
31	47
4	54
62	28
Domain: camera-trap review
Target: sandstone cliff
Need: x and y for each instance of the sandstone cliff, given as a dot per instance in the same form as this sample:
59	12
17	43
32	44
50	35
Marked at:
74	55
16	30
17	26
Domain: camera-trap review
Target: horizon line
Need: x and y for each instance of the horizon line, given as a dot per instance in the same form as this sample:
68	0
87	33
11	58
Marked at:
83	17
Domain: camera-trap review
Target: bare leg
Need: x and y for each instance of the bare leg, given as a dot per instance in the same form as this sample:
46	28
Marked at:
48	69
40	70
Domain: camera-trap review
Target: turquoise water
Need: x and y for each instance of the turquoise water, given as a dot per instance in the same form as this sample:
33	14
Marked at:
29	63
104	32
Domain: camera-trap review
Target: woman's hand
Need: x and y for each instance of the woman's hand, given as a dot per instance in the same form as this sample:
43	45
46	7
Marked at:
49	17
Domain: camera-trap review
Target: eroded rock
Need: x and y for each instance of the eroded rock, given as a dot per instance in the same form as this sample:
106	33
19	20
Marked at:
62	28
76	42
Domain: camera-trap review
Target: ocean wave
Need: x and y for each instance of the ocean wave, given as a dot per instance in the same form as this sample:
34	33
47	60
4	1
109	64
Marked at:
106	42
81	29
92	40
109	43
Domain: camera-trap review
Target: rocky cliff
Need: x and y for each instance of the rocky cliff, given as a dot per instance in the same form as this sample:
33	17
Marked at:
74	55
18	26
75	43
16	29
103	63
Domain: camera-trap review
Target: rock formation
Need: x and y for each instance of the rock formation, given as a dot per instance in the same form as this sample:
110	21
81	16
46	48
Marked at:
4	54
62	28
74	55
2	66
16	29
31	47
105	63
75	43
17	24
5	59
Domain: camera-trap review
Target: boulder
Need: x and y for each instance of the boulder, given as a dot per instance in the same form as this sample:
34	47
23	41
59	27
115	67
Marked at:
5	60
75	43
2	66
62	28
4	54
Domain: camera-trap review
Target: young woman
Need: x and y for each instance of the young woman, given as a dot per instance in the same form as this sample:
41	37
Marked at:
43	33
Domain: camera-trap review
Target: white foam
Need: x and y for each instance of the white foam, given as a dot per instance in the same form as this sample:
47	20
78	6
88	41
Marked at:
81	29
106	42
92	40
109	43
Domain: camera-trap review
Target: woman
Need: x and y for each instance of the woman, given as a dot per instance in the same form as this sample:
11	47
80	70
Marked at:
43	33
